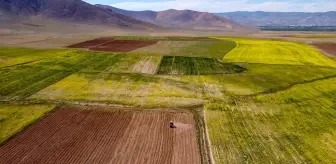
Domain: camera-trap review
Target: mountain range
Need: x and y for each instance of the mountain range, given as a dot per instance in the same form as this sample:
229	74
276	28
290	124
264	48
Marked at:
180	19
260	18
78	11
71	11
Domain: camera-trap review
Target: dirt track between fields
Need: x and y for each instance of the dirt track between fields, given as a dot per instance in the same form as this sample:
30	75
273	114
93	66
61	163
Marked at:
329	48
87	136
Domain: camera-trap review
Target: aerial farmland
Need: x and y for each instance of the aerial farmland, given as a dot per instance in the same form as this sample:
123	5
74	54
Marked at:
110	100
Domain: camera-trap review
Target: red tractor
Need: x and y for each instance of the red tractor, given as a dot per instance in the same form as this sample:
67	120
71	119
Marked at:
171	125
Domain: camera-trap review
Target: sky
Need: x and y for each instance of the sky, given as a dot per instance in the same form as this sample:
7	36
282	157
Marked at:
223	5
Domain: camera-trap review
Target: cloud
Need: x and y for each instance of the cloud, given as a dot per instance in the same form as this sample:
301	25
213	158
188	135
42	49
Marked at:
232	5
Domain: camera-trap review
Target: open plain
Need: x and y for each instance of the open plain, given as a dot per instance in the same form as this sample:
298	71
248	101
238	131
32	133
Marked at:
264	101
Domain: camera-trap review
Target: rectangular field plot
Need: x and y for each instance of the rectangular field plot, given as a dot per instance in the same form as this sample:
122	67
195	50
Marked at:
277	52
89	136
194	48
122	45
13	118
91	43
297	125
196	66
125	63
13	56
23	80
129	89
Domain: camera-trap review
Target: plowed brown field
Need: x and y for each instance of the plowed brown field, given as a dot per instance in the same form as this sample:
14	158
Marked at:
86	136
91	43
329	48
123	45
112	45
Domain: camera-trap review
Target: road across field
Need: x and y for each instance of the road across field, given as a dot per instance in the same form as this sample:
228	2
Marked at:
86	136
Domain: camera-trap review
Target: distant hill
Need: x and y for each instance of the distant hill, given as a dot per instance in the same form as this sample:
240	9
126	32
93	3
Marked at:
70	10
180	19
260	18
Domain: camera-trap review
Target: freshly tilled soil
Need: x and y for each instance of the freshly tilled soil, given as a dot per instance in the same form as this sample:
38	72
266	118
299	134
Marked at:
123	45
91	43
86	136
329	48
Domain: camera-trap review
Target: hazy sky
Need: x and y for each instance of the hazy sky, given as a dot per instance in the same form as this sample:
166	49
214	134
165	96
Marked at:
223	5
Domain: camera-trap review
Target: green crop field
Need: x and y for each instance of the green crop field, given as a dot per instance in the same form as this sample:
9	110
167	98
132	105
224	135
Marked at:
265	101
297	125
14	56
276	52
22	80
128	89
261	78
125	63
26	78
282	110
13	118
149	90
196	66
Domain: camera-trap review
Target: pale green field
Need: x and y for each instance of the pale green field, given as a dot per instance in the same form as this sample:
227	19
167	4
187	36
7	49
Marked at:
210	49
13	56
14	118
261	78
276	52
125	63
297	125
128	89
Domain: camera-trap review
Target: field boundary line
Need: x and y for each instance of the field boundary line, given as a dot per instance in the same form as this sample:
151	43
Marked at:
31	123
279	89
159	65
237	45
212	160
92	103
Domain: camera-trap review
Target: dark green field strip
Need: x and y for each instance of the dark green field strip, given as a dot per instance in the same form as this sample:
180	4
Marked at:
196	66
212	49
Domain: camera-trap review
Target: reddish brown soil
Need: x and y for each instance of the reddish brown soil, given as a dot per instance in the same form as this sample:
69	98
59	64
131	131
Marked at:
123	45
329	48
86	136
91	43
